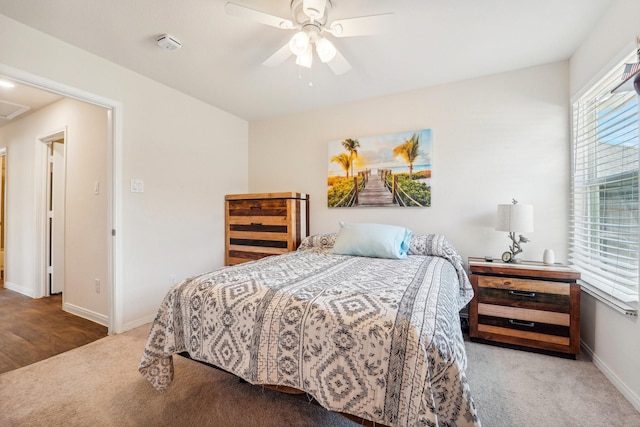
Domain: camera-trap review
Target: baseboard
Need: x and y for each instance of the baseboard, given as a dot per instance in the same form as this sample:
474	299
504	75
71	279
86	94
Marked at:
132	325
633	398
20	289
98	318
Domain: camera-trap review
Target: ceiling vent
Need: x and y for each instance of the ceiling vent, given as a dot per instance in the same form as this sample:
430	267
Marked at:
9	110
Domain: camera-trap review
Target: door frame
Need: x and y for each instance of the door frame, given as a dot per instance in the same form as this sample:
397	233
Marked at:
42	194
114	108
3	206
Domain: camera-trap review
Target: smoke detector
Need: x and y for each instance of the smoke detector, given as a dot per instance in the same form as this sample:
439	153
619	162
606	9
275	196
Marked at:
168	42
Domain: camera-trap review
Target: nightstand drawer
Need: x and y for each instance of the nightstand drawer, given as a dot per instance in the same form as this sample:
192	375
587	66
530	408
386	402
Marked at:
522	337
513	283
524	314
530	294
486	323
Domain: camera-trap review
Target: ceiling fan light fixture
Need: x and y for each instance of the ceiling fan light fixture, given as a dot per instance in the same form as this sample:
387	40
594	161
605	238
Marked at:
299	43
325	49
305	59
314	9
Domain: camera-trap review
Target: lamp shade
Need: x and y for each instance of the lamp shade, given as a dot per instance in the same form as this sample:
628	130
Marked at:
299	43
326	50
305	59
515	218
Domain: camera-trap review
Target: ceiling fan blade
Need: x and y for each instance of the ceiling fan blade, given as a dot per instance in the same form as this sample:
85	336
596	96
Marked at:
339	65
279	57
362	26
258	16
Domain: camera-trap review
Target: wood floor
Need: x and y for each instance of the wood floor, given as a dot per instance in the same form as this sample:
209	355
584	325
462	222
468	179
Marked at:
36	329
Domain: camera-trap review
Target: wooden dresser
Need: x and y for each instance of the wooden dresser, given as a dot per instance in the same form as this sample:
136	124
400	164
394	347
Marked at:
529	305
260	225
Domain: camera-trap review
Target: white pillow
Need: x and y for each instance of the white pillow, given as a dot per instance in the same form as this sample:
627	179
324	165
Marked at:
372	240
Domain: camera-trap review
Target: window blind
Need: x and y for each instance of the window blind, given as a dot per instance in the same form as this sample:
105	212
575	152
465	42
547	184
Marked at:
603	229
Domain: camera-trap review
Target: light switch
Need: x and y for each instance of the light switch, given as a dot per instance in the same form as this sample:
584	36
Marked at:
137	186
96	188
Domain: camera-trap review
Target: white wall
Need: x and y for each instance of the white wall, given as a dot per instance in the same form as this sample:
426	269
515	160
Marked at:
188	153
495	138
20	273
611	337
86	240
86	213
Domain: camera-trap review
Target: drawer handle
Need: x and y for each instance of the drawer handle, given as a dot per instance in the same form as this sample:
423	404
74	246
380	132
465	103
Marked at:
256	223
523	294
254	207
527	324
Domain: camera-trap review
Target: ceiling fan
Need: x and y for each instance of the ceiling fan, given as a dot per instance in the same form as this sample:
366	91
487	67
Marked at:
310	19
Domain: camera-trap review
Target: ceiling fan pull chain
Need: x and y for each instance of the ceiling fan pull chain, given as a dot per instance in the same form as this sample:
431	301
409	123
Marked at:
300	70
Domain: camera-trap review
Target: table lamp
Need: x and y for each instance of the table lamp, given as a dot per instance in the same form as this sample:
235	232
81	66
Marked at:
514	218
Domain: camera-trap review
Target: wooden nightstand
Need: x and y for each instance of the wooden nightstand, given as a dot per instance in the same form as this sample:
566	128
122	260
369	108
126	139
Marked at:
530	305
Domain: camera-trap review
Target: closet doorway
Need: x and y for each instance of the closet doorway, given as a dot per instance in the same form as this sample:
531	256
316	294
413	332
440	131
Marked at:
54	212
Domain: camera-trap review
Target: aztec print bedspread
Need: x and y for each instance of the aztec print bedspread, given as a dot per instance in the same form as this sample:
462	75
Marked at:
375	338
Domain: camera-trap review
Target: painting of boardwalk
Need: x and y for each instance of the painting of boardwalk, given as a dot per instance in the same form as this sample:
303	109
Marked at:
391	170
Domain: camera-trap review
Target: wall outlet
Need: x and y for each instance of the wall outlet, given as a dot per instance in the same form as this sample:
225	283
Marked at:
173	279
97	285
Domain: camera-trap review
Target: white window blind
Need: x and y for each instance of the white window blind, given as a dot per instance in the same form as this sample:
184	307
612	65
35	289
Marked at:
603	240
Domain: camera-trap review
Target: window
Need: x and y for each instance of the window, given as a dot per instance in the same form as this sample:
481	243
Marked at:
603	240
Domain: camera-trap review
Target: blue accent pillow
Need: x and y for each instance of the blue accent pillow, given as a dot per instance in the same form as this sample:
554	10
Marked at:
372	240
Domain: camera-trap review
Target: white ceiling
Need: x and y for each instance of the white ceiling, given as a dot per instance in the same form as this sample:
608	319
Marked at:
22	95
431	42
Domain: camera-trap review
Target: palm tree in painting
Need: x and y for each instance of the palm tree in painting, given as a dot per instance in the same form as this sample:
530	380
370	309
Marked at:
344	160
351	145
410	151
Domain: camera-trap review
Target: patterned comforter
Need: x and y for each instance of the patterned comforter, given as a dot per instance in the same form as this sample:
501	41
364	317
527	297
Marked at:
375	338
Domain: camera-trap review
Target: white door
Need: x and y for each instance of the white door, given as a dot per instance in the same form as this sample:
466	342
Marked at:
56	216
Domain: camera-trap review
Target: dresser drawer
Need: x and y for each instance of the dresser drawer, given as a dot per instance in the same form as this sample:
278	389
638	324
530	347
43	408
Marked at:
240	253
251	208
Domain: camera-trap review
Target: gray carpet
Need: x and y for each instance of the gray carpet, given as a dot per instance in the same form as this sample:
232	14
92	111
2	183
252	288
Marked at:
99	385
520	388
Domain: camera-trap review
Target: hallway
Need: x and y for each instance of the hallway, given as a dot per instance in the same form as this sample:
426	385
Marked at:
36	329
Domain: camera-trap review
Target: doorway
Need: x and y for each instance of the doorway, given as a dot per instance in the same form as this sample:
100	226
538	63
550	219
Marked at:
55	212
111	280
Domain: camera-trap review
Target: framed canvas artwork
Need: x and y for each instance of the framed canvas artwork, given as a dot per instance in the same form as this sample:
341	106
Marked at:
391	170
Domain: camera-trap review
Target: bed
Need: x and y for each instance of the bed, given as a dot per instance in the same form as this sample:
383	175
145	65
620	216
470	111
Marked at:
378	339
